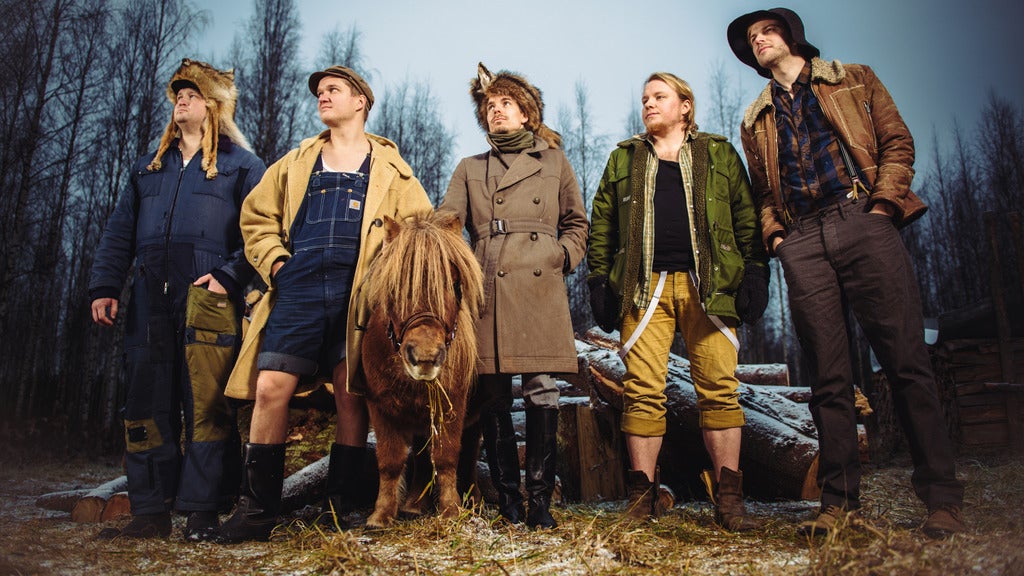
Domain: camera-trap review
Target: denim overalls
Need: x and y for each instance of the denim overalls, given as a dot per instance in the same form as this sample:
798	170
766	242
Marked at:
306	328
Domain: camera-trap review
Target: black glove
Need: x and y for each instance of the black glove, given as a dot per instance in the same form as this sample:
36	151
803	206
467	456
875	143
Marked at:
603	303
752	296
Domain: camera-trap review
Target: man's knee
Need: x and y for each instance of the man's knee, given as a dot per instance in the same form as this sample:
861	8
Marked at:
274	388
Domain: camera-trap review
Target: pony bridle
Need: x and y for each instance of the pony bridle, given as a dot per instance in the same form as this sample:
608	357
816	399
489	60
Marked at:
397	337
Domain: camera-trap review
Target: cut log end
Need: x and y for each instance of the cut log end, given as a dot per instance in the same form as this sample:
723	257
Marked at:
88	510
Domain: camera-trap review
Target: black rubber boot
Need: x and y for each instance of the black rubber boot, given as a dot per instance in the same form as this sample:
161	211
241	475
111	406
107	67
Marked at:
201	526
260	500
503	460
142	526
343	473
541	455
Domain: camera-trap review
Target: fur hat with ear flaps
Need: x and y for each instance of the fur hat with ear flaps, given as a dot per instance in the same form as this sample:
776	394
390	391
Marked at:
218	88
515	86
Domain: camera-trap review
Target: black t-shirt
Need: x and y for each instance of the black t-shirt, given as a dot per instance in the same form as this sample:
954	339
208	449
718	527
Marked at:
673	250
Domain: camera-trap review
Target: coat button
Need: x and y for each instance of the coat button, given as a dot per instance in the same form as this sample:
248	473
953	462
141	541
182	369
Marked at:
536	200
537	272
501	273
499	201
377	222
533	235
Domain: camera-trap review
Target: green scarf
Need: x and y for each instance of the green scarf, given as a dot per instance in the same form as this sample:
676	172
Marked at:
511	142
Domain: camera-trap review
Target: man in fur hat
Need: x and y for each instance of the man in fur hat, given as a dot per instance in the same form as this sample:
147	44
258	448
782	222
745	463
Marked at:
526	220
312	226
831	163
675	247
178	221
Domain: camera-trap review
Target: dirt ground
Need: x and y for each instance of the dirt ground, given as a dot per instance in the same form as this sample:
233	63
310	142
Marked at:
590	539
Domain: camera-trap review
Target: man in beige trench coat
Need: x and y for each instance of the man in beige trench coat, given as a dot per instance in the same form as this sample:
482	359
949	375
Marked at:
527	223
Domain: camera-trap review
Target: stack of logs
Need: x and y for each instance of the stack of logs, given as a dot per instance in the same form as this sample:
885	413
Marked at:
779	455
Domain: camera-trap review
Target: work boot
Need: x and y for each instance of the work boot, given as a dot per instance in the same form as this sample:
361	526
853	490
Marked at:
727	496
260	500
829	519
503	461
344	470
639	491
541	455
943	521
201	526
141	526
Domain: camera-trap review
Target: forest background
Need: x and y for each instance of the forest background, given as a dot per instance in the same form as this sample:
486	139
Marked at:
82	95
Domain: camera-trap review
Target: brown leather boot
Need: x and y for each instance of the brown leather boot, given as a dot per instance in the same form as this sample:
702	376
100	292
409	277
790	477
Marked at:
727	496
641	493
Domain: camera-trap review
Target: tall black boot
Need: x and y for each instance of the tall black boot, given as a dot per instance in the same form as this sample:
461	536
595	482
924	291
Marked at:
344	470
503	460
541	455
260	500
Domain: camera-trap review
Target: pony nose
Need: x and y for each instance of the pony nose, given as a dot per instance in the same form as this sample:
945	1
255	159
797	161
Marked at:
417	357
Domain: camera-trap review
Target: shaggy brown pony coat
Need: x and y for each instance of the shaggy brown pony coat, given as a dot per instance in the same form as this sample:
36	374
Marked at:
419	352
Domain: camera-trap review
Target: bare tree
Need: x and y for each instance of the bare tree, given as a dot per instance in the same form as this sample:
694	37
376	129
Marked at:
584	146
634	123
586	150
725	104
271	84
343	47
409	114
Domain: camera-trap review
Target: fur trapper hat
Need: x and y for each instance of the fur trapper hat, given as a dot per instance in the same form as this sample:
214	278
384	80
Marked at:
515	86
218	88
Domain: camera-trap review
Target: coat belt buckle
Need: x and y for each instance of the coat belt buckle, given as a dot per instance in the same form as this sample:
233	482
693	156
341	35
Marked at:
498	227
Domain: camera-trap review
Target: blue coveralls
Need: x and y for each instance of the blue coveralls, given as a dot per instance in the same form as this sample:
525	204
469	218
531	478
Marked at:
180	340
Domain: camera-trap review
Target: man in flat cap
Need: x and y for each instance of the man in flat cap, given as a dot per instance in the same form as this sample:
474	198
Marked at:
178	221
312	226
831	162
526	220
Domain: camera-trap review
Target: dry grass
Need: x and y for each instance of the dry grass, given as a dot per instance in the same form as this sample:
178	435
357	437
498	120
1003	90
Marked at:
591	539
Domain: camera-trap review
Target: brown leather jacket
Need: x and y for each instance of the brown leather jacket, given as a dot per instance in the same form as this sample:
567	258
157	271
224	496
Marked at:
864	117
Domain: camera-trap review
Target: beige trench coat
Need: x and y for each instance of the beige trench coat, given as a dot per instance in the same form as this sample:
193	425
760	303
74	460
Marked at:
528	228
266	218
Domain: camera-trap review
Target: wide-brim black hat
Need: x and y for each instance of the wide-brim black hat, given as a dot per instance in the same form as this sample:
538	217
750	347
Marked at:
737	35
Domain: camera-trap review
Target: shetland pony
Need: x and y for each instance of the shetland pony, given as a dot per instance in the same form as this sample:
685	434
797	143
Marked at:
419	351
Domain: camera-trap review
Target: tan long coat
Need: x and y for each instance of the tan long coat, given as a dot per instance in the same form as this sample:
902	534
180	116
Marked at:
267	215
525	324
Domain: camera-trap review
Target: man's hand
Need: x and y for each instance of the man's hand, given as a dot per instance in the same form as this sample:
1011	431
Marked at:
211	284
275	267
603	303
776	240
752	295
100	306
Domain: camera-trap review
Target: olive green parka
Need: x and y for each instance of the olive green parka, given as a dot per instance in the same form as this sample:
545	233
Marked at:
726	232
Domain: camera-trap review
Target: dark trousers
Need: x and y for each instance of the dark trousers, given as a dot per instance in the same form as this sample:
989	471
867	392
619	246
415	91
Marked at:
179	350
845	257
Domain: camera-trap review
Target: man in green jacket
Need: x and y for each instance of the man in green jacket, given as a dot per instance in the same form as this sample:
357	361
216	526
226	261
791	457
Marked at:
675	245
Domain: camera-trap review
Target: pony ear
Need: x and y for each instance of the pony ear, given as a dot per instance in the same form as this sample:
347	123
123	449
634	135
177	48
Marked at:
391	228
451	222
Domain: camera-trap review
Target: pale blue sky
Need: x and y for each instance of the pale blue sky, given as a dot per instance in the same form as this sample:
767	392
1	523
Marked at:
939	58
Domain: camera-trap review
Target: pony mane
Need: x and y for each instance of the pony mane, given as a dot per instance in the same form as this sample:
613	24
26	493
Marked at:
421	266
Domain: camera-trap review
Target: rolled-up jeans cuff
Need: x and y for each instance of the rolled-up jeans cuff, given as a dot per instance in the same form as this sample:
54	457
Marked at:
286	363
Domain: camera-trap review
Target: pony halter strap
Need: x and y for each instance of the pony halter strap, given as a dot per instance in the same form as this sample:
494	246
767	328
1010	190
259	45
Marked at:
421	318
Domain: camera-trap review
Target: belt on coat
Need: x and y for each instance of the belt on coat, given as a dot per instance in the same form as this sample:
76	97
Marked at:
499	226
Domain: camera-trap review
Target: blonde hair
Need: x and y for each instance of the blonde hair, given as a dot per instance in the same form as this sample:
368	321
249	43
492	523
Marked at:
684	91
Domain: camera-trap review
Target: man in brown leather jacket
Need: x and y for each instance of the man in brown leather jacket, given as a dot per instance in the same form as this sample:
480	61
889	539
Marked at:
830	163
